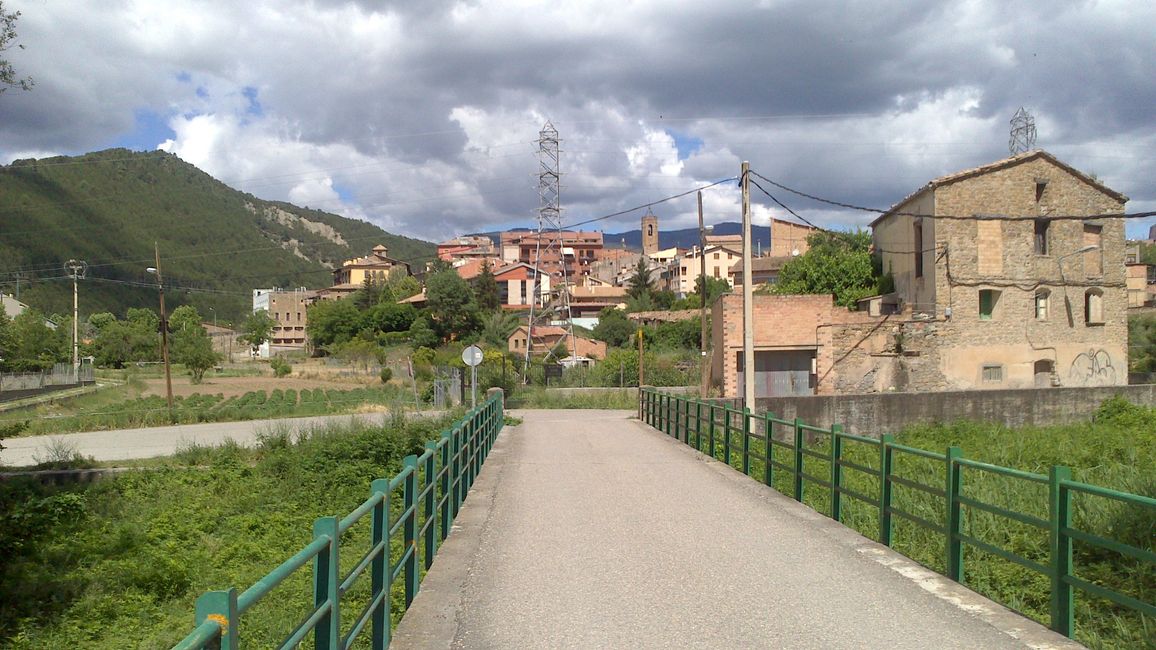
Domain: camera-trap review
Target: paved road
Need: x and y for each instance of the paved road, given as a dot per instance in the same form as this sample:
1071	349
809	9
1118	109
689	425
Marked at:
123	444
590	530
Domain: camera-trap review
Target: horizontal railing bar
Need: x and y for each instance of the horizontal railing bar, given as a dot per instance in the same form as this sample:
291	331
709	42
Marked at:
278	575
871	501
201	635
935	528
871	471
405	514
864	439
363	618
428	522
1107	594
1004	553
915	451
779	421
310	623
916	485
781	443
814	429
1003	471
365	560
406	470
1111	545
786	467
362	510
814	479
396	571
814	454
425	456
1002	512
1109	493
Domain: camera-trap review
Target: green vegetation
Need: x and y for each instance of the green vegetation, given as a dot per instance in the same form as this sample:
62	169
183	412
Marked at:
1141	343
1117	451
111	206
839	263
537	397
8	78
120	562
253	405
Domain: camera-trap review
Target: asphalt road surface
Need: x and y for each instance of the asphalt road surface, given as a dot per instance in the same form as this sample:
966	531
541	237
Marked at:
588	529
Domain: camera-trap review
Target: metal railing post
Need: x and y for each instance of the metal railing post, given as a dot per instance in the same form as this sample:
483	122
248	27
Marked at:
456	473
727	434
697	425
798	460
746	441
379	527
409	544
886	459
836	473
1060	517
428	487
713	418
954	486
221	608
327	633
444	482
769	448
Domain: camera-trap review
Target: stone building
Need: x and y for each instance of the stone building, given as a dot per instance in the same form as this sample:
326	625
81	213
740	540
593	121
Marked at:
1017	277
353	273
288	309
1009	275
649	234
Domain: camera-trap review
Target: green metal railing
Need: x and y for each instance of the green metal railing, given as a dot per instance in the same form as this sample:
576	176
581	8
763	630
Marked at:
432	487
696	422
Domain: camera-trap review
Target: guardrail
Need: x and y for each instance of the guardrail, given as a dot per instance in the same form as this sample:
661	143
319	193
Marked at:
431	486
695	422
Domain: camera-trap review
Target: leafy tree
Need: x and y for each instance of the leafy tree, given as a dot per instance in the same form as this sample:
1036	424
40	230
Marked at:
486	289
332	321
405	287
146	320
452	309
98	320
422	335
184	317
7	340
193	349
713	288
36	345
257	328
8	76
497	328
388	317
640	283
614	328
838	263
438	266
1141	343
663	299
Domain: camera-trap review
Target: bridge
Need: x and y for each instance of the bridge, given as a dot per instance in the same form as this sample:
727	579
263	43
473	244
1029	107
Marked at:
597	529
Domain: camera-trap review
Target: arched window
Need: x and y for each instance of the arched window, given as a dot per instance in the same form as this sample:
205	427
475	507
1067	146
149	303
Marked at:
1043	299
1094	307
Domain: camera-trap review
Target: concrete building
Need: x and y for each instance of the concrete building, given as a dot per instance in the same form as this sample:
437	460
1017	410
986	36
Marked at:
287	308
719	260
788	238
1009	275
11	306
577	252
467	247
764	270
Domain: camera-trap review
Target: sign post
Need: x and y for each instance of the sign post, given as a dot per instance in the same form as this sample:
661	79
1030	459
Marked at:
472	357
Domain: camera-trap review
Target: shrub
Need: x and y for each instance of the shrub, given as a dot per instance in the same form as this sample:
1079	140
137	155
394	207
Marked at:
281	367
386	375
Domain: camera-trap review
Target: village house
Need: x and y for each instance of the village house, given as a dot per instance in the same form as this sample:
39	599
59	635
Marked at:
467	247
287	308
575	255
353	273
1009	275
550	337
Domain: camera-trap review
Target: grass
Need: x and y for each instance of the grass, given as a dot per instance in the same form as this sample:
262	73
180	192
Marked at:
119	563
1117	451
536	397
117	409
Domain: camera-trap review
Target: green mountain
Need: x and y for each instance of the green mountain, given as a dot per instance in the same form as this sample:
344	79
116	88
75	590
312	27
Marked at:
216	244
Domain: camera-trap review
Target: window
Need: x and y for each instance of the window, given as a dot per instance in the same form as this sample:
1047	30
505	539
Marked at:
1093	307
716	256
1042	298
987	300
1041	231
992	373
1041	185
1093	260
918	248
716	271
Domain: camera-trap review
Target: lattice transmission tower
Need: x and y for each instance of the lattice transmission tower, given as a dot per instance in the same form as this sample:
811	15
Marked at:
1023	132
550	300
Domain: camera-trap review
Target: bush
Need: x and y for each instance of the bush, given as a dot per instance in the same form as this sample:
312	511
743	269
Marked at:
386	375
281	367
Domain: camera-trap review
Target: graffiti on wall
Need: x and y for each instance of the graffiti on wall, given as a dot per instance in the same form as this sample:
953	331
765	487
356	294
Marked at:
1092	368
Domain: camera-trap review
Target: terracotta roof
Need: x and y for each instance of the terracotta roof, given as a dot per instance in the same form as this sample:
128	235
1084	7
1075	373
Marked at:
414	299
1001	164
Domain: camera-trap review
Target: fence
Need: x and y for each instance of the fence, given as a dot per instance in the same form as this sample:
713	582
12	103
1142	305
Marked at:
729	434
431	487
62	374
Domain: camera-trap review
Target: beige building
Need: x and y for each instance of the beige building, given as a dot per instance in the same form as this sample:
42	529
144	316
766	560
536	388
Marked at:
1137	284
287	308
377	267
719	260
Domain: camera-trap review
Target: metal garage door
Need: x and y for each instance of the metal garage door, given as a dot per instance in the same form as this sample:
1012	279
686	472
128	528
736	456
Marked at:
780	372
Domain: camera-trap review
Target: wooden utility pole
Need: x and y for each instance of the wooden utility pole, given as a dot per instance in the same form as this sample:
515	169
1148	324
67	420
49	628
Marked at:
748	297
704	371
164	329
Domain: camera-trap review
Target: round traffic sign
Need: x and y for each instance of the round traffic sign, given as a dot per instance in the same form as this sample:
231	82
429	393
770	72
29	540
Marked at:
472	356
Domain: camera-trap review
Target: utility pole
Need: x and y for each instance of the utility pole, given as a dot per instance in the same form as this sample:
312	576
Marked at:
640	365
76	268
704	371
748	296
164	327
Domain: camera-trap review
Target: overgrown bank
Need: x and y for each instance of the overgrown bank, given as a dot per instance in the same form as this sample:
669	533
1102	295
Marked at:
120	562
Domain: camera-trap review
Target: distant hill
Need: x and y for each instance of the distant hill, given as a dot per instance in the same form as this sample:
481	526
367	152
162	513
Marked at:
216	243
685	238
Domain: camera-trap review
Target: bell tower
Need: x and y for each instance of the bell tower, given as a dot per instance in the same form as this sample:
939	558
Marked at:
649	233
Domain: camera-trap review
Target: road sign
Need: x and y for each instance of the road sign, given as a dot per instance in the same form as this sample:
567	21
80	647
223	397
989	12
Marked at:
472	356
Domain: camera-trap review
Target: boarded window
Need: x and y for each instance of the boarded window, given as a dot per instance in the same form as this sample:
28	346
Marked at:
992	373
1041	236
1093	307
1042	299
1093	258
987	300
989	247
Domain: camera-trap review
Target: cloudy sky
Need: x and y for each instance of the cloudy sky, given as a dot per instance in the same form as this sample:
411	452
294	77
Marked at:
422	115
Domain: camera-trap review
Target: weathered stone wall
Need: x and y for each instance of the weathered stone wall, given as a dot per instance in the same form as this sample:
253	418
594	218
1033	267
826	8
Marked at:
876	414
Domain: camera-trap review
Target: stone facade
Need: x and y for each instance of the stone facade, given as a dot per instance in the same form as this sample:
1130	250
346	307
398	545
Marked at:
649	234
1002	293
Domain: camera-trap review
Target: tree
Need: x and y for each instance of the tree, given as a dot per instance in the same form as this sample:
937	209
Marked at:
486	289
332	321
614	328
640	283
497	328
193	349
404	287
257	328
838	263
8	76
713	288
388	317
7	340
184	317
451	305
36	346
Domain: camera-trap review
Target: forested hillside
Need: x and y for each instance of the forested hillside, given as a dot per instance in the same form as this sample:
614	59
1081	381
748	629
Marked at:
216	244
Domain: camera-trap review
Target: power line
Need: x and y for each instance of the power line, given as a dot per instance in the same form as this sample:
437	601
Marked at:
650	203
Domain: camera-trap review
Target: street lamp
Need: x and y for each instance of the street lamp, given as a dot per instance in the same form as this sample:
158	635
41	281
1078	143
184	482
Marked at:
156	270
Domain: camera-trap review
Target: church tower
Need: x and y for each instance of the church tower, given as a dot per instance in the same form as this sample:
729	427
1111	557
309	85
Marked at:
649	233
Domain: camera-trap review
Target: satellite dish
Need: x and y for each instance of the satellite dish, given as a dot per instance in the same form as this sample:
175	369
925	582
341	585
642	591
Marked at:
795	253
